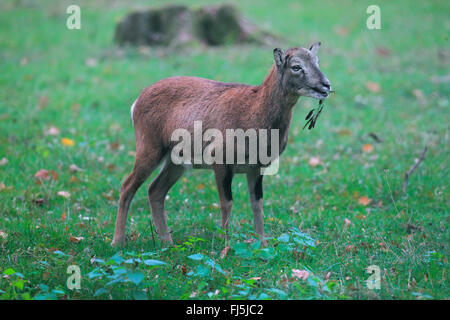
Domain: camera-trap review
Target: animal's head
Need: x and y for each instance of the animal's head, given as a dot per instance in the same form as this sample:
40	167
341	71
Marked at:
300	73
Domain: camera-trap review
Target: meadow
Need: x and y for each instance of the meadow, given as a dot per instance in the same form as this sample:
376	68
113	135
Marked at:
334	208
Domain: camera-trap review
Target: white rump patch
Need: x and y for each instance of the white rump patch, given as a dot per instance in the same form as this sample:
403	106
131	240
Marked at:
132	110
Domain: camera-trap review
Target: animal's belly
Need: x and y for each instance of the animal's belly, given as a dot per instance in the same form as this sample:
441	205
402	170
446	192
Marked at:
237	168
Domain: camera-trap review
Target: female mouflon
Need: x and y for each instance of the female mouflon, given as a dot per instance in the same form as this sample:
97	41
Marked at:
182	103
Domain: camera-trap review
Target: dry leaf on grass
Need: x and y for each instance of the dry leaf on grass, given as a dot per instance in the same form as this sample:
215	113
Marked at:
300	274
373	87
52	131
42	174
383	247
74	168
350	248
75	239
64	194
344	132
314	161
4	187
67	142
367	148
224	252
364	200
109	195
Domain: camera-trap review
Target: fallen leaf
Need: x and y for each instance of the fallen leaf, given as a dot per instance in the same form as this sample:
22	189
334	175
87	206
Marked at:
373	87
383	247
300	274
75	239
53	174
114	145
53	131
64	194
67	142
74	168
350	248
224	252
367	148
42	174
108	195
344	132
183	269
364	200
314	161
200	186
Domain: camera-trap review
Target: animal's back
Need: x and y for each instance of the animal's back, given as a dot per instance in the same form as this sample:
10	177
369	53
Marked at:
176	102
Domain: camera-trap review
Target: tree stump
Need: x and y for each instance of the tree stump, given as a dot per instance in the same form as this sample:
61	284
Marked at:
178	25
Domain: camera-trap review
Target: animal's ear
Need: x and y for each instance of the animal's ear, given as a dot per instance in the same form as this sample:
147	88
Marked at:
315	48
280	57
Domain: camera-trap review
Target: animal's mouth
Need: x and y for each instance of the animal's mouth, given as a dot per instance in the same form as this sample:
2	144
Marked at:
320	91
315	92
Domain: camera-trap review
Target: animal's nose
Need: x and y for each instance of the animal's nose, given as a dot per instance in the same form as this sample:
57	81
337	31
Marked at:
326	84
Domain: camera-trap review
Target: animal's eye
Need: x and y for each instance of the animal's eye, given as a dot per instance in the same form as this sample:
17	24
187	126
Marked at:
296	68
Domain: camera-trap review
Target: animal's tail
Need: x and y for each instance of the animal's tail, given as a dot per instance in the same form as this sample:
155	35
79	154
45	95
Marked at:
132	110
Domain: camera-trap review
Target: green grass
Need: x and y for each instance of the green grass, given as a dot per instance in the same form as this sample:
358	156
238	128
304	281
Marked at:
408	238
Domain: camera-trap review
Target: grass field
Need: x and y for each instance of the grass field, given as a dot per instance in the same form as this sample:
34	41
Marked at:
334	209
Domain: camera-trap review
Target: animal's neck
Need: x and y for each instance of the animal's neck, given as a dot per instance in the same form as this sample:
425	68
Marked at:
275	101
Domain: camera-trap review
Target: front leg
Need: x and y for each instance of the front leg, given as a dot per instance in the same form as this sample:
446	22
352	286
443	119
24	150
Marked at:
254	182
224	176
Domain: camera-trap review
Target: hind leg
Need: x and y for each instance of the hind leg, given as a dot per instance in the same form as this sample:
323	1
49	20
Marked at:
143	167
157	192
224	176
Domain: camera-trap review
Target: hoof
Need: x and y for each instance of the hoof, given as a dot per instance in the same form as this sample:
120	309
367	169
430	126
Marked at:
166	239
117	242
